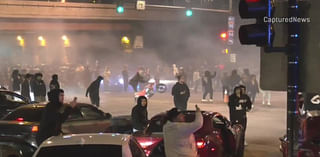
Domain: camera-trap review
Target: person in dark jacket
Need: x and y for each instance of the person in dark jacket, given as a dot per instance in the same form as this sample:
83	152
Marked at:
207	85
94	90
181	94
254	88
139	114
54	83
234	79
25	88
125	77
16	80
52	118
39	88
134	81
239	104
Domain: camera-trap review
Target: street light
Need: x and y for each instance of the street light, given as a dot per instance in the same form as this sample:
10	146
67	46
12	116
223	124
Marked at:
21	40
63	1
66	41
42	41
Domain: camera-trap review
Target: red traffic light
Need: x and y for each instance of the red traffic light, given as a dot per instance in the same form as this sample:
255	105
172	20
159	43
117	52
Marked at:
223	36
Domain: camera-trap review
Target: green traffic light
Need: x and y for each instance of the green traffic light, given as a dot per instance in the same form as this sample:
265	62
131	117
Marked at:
120	9
189	13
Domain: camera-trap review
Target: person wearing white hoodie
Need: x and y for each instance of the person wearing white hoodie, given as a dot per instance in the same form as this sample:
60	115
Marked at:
179	140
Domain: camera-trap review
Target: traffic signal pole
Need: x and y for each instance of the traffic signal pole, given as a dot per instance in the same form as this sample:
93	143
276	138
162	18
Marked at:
293	78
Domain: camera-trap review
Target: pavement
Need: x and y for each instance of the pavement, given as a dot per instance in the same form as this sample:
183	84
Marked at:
265	123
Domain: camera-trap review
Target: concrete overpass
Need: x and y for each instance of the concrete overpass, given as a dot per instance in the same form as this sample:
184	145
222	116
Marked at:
19	15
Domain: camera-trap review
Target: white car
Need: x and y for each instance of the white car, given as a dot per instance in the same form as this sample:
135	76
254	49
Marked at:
90	145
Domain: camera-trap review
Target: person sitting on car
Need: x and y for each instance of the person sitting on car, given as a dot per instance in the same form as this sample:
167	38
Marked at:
52	118
139	114
178	134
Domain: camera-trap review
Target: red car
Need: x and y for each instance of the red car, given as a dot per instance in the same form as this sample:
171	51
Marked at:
217	137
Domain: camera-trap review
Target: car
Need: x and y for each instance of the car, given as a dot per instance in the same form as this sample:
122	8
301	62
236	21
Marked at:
90	145
216	138
15	147
25	120
10	100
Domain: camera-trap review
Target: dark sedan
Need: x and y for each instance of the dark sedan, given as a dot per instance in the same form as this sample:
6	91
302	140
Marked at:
24	121
217	137
10	101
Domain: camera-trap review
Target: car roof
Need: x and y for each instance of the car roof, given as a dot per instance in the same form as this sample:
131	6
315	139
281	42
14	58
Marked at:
87	139
43	104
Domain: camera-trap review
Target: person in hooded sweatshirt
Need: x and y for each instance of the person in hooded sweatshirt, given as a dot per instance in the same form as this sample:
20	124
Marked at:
207	85
25	87
53	117
139	114
39	88
181	93
93	91
54	83
179	140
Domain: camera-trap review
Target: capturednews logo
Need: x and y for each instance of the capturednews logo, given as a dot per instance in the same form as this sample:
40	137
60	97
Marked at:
286	20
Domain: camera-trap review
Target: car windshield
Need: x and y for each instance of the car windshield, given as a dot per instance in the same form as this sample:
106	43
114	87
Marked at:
25	114
81	151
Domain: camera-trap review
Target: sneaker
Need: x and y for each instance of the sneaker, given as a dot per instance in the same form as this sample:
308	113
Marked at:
263	103
211	100
269	104
245	143
204	100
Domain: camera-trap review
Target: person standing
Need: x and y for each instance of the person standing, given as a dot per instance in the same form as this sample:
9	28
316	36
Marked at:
225	85
54	83
179	140
39	88
16	80
196	80
254	88
125	77
25	88
94	91
107	75
139	114
234	79
136	79
52	118
207	85
181	94
239	104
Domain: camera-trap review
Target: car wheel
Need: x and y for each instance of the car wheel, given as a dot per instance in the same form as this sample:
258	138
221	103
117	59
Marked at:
161	88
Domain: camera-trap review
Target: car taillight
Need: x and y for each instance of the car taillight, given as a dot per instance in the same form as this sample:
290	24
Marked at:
305	153
20	119
201	144
35	129
147	141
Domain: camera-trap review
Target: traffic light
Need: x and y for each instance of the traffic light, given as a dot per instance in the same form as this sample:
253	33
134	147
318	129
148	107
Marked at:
223	36
126	44
189	12
120	8
261	33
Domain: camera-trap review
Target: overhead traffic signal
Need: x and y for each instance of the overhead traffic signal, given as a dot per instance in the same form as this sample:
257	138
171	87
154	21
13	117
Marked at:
120	8
223	36
189	12
261	33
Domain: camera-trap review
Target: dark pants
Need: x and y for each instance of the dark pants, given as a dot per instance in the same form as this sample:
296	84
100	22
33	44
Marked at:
243	122
95	101
180	105
206	92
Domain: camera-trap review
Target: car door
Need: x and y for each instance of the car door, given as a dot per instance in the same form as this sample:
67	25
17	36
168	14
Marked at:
86	119
95	120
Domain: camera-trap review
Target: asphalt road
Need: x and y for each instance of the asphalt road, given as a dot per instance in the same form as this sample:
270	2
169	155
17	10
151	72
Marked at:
265	123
